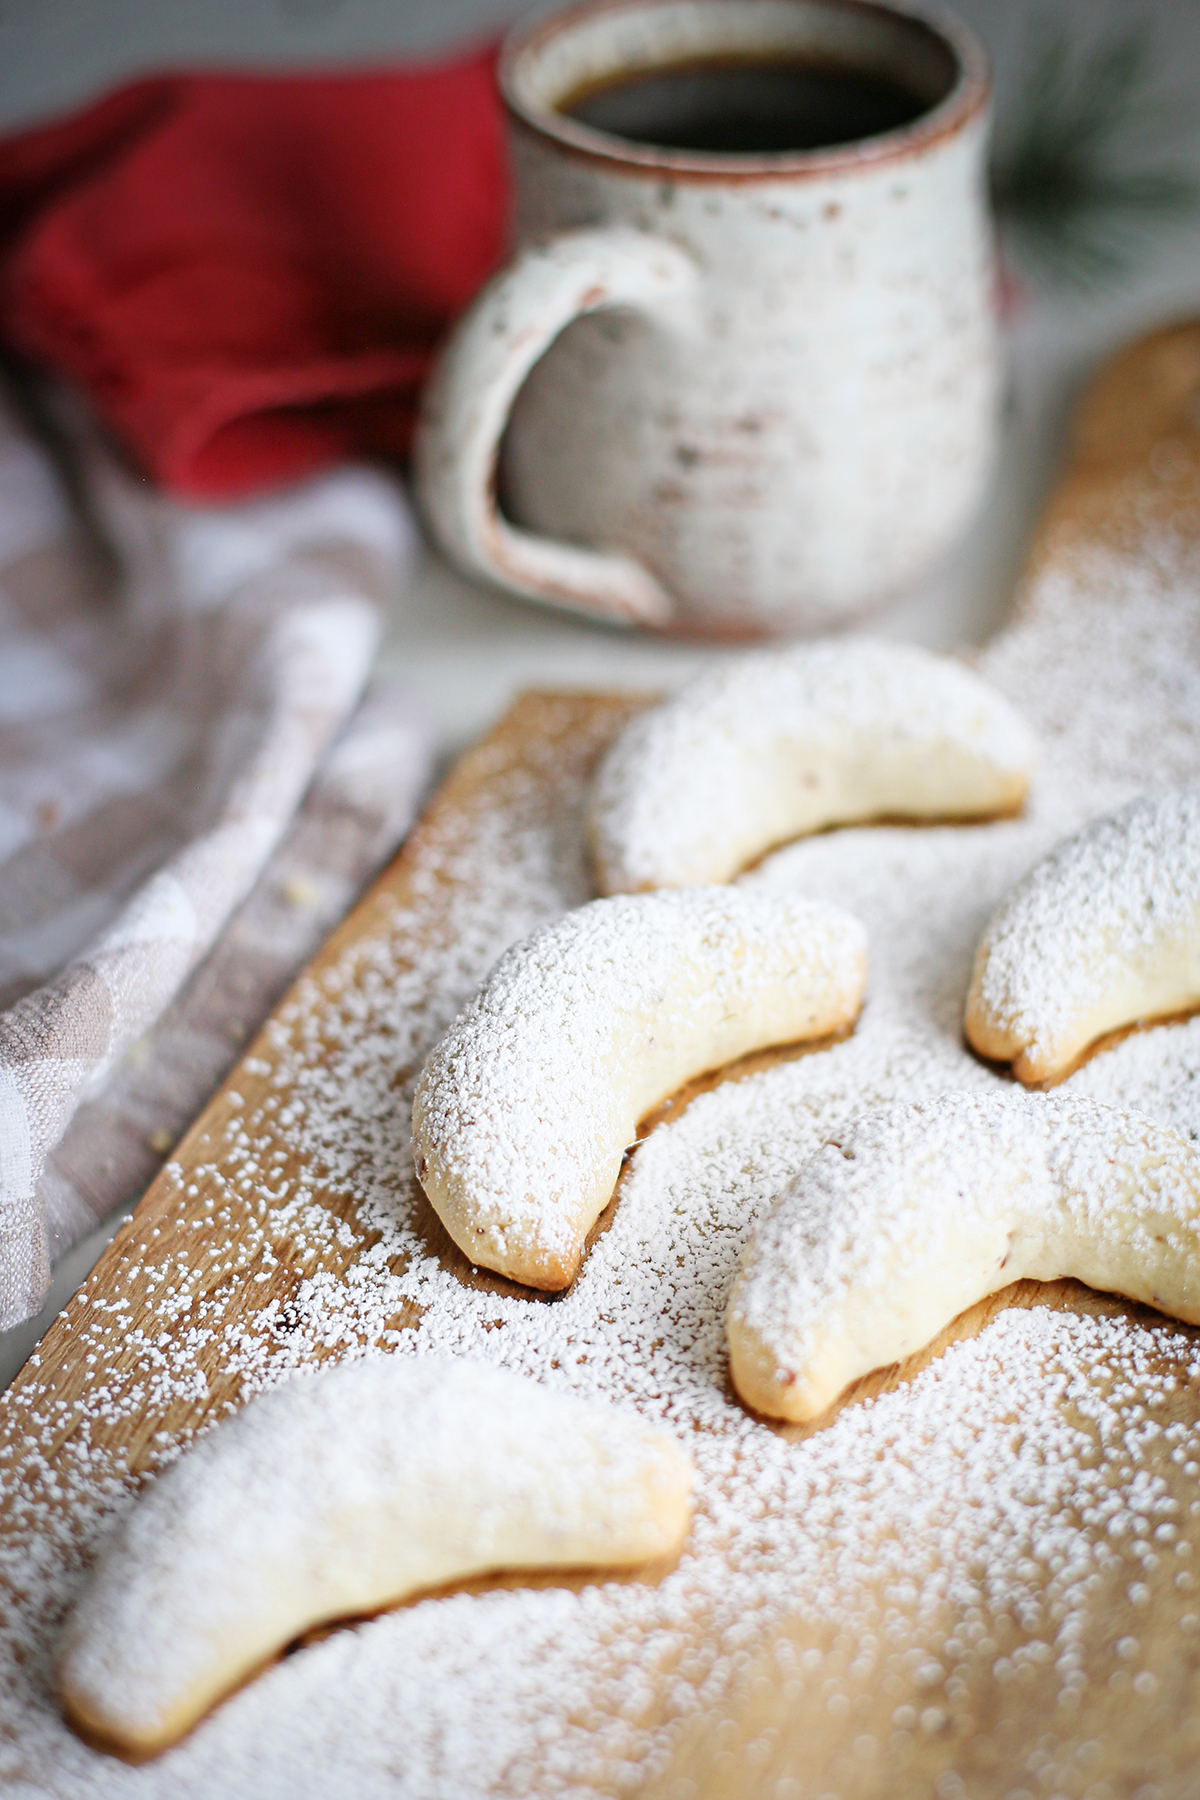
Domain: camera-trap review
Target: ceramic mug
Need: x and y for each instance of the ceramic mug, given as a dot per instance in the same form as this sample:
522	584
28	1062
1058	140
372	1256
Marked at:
725	390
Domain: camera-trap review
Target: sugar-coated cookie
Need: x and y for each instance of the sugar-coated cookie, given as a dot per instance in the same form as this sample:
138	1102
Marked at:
1103	932
920	1210
339	1494
785	742
525	1109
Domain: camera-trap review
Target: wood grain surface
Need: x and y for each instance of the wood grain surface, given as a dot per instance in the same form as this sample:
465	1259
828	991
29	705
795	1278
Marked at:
98	1389
1134	470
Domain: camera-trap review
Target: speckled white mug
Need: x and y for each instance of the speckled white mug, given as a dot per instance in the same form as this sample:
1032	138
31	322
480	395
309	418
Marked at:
737	393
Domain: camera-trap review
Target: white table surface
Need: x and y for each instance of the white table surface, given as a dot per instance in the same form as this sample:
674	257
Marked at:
466	650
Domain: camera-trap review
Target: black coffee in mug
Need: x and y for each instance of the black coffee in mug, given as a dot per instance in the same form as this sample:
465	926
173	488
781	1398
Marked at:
746	105
757	438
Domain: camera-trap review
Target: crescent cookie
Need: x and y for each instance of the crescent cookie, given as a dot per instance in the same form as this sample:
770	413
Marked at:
782	743
339	1494
524	1111
918	1211
1103	932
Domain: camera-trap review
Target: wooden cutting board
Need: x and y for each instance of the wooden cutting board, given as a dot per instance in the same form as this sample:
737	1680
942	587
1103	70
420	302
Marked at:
141	1358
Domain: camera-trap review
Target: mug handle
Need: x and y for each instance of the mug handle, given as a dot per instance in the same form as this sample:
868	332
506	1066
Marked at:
511	324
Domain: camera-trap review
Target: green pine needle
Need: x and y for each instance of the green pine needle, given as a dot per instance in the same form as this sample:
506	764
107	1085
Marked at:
1072	190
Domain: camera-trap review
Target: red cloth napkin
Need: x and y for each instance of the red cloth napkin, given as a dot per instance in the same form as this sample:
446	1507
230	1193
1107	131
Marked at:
247	274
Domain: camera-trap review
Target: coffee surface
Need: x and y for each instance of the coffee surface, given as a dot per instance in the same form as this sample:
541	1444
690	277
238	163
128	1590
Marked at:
746	107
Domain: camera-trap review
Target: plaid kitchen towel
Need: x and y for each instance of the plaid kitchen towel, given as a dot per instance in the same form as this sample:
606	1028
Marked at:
158	733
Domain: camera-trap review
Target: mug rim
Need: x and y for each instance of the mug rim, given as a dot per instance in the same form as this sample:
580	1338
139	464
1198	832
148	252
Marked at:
968	96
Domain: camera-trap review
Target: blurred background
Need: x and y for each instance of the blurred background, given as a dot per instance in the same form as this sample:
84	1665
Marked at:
54	53
1097	172
1096	179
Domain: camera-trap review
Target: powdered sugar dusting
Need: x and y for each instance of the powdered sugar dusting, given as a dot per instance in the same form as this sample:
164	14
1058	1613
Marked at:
527	1106
342	1492
1114	908
919	1210
1012	1512
780	742
1157	1070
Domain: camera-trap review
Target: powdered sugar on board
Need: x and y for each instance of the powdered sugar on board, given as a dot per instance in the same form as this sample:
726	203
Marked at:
1007	1517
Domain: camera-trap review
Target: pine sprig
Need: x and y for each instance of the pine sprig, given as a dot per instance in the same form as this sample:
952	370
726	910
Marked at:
1074	193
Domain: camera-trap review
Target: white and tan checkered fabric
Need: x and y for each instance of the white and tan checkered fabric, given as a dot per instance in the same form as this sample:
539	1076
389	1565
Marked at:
157	738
